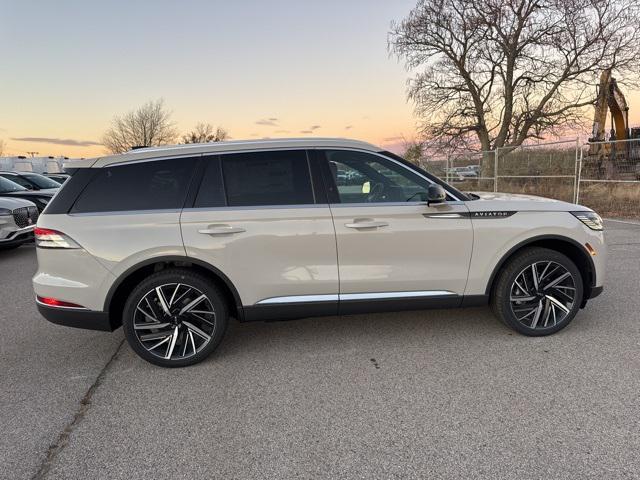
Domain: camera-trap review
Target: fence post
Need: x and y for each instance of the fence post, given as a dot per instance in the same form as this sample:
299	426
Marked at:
495	170
447	166
575	172
579	176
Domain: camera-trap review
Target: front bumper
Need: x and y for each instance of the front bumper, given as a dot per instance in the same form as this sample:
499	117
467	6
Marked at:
17	238
595	291
77	318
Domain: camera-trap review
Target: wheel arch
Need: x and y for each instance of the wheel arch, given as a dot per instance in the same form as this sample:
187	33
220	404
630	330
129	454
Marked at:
118	293
565	245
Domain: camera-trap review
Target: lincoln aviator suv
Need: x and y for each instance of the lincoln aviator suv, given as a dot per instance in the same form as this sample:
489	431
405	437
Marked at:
170	242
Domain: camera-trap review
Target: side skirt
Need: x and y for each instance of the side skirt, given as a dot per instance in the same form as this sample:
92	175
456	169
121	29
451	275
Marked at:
297	310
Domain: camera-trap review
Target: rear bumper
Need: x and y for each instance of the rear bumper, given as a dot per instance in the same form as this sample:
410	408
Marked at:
77	318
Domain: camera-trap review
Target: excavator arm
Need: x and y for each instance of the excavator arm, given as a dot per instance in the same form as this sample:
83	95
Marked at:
610	99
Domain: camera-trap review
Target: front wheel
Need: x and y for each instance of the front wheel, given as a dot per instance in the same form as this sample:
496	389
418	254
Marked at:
538	292
175	318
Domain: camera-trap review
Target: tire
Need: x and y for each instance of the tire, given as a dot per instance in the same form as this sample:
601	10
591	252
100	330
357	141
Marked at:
540	305
191	318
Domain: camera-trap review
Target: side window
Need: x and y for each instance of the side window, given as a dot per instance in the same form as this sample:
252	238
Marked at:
366	178
267	178
211	191
152	185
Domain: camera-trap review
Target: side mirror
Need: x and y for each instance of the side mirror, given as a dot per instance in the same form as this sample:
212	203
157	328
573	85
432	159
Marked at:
436	194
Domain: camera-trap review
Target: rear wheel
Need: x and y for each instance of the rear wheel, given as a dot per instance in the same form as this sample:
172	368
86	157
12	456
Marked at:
538	292
175	318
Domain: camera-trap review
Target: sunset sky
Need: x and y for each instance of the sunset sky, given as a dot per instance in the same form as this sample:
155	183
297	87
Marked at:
258	69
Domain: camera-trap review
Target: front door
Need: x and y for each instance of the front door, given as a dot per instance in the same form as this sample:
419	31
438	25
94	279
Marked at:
392	246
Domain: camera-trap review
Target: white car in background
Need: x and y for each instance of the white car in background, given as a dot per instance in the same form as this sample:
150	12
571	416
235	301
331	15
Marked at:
18	218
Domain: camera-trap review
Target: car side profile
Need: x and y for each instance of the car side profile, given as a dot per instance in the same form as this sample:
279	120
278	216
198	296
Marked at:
170	242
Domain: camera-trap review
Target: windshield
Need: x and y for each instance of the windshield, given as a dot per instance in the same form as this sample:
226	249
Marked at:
7	186
41	181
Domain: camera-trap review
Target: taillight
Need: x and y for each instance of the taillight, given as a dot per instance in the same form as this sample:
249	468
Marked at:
47	238
54	302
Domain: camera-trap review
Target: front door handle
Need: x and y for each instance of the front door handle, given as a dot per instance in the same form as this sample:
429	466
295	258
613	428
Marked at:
366	223
221	229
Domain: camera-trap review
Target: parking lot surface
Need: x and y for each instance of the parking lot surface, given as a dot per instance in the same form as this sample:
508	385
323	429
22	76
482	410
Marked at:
436	394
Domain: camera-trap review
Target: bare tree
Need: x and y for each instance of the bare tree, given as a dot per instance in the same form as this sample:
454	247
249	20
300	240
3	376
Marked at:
414	151
205	133
494	73
1	148
149	125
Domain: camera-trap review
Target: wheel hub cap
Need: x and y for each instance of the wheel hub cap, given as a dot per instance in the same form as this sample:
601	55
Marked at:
174	321
542	295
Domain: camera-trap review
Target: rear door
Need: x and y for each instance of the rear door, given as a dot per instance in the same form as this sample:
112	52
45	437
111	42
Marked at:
392	246
258	219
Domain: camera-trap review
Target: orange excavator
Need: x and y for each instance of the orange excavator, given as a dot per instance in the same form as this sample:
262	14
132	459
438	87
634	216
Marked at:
606	154
610	98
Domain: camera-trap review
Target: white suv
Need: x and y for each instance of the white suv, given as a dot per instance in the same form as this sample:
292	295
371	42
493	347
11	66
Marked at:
170	242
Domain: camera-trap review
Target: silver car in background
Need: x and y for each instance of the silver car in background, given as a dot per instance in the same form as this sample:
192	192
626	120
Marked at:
18	218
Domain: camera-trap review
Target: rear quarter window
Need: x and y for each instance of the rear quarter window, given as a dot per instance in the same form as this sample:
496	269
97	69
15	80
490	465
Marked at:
148	185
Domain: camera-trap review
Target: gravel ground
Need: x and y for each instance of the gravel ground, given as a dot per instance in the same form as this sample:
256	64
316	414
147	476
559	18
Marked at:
436	394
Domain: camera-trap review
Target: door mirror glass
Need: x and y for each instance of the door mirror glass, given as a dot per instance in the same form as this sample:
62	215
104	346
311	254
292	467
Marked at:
436	194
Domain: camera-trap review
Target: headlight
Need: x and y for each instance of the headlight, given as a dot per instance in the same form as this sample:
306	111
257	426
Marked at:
5	211
590	219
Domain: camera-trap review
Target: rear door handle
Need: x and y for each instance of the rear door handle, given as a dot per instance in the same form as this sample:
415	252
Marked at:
221	229
366	224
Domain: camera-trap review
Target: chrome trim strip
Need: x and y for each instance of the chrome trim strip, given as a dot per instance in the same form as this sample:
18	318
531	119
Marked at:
442	215
257	207
299	299
389	204
353	296
307	205
387	295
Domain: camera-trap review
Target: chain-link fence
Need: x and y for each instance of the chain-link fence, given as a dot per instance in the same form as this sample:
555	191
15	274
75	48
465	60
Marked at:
547	170
609	177
602	175
466	171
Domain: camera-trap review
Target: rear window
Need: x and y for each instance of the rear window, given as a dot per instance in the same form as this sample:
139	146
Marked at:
154	185
267	178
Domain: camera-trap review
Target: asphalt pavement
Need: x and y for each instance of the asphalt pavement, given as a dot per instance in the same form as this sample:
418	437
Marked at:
435	394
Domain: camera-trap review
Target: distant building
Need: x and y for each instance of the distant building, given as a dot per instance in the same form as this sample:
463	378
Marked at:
33	164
